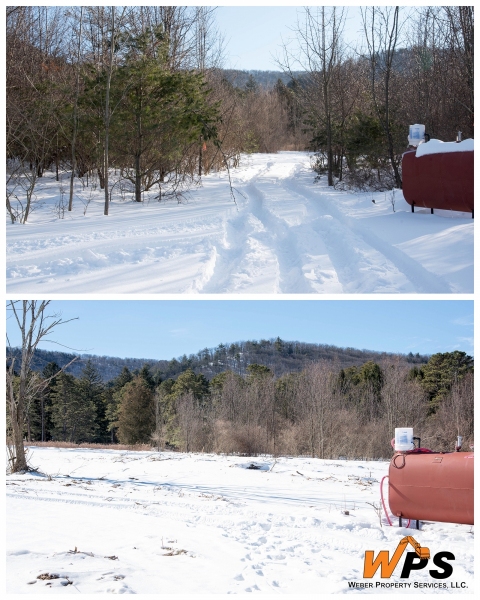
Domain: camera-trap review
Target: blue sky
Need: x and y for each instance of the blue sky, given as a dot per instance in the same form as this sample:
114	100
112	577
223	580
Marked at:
254	33
163	329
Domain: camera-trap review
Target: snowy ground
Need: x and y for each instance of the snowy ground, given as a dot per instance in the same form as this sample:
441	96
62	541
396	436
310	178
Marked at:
147	522
289	235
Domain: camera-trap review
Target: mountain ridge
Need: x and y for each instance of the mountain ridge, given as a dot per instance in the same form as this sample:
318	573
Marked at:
279	355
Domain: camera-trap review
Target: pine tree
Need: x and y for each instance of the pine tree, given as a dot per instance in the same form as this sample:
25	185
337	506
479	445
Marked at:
160	111
147	377
92	391
251	87
441	372
136	414
46	422
189	382
113	396
167	395
256	371
73	416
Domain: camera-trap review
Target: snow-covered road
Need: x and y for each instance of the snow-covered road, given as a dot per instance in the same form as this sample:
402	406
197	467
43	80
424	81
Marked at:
288	235
148	522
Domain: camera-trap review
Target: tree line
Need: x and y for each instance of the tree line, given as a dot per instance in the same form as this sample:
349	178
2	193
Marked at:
322	411
134	99
282	356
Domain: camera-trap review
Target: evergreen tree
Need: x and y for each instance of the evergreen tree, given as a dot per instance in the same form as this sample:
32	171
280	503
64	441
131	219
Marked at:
160	112
124	378
113	395
73	416
256	371
217	382
147	377
136	414
169	392
279	345
442	371
45	401
189	382
251	87
92	391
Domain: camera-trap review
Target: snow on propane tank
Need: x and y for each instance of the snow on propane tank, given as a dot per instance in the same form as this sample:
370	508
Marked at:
416	134
403	439
432	486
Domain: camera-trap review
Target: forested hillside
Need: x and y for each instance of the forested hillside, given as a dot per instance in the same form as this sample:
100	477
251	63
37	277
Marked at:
260	80
278	355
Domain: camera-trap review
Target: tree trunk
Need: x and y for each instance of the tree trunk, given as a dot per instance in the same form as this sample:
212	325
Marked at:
107	111
16	415
42	407
75	115
138	180
200	154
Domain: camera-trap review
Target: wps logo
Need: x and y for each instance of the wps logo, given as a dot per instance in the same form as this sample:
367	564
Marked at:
414	561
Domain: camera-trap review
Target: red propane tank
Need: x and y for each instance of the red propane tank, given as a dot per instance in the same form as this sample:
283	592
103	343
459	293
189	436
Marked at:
443	180
432	487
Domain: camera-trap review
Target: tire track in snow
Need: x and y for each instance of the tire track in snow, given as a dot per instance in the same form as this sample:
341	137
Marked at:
242	261
284	243
341	231
355	271
235	267
254	232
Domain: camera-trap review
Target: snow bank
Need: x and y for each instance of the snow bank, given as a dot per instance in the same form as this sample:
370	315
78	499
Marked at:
439	147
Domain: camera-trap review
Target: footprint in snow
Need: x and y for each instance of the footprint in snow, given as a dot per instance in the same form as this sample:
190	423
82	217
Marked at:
119	588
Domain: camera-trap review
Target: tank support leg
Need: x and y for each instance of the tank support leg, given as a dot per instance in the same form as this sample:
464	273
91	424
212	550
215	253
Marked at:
418	524
472	214
399	521
413	209
431	211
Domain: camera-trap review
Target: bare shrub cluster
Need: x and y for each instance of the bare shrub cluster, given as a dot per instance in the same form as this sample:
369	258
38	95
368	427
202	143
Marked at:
317	413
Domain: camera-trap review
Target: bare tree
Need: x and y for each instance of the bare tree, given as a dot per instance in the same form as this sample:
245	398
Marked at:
403	400
320	41
190	420
75	110
317	408
460	41
208	54
107	105
33	67
383	27
34	325
454	417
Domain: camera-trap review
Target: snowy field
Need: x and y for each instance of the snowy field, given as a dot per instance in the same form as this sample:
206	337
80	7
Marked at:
288	235
147	522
